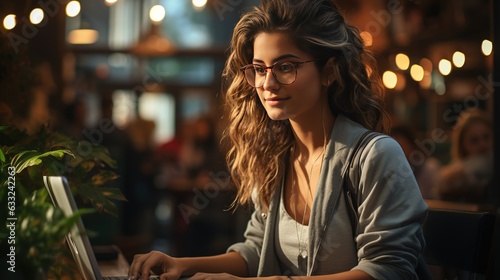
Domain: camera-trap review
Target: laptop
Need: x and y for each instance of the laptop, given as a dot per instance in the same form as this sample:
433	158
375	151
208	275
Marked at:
77	240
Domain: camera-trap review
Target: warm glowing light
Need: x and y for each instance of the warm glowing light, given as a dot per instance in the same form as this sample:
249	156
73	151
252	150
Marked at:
426	81
73	9
444	67
458	59
199	4
83	36
157	13
402	61
367	38
390	79
9	22
426	64
36	16
417	72
110	2
487	47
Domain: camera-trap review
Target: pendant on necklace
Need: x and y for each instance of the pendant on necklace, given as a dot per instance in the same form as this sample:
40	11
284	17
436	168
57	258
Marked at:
302	262
303	254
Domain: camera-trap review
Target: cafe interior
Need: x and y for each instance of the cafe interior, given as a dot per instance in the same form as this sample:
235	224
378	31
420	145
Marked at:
129	93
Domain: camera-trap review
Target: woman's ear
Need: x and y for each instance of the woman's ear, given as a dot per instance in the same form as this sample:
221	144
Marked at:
328	74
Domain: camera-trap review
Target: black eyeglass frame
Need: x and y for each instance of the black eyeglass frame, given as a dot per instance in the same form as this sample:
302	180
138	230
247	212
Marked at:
294	63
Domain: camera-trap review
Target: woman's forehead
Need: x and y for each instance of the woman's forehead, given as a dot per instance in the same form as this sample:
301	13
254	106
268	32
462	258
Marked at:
273	46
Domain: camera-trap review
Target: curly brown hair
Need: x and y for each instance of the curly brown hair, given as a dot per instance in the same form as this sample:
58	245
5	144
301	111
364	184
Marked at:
259	145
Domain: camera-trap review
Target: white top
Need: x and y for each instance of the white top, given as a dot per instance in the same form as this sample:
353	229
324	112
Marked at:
288	234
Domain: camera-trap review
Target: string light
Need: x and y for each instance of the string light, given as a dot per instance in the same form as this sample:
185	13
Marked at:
73	9
417	72
36	16
157	13
199	4
444	67
487	47
390	79
9	22
402	61
110	2
458	59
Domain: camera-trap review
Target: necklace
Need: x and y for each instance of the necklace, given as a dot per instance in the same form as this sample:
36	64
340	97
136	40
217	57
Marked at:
303	246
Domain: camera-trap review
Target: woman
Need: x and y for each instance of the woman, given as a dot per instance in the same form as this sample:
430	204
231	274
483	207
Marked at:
299	97
470	173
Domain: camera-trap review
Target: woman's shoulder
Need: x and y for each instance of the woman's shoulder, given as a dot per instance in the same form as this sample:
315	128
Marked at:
385	147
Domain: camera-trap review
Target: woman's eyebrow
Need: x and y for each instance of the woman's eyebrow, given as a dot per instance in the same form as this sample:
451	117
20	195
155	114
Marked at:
285	56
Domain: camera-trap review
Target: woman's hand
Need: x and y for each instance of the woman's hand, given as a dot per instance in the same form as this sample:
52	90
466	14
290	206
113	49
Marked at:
165	266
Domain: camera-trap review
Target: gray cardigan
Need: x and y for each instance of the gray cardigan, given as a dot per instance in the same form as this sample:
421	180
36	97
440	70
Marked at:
391	211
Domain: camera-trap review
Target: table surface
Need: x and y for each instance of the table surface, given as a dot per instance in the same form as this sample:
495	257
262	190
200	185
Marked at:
459	206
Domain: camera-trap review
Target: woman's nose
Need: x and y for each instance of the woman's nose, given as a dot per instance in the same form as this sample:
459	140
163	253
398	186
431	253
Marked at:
270	81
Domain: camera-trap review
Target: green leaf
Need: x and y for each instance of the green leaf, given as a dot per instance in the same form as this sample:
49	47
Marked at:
3	127
2	156
113	193
98	199
31	158
103	177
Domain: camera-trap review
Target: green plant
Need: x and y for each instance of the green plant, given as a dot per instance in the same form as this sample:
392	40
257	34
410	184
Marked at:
40	235
39	227
89	171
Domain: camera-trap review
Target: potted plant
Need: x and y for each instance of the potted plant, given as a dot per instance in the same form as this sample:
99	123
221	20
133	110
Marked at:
35	229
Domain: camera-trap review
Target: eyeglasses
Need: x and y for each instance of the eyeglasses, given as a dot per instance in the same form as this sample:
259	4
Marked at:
284	72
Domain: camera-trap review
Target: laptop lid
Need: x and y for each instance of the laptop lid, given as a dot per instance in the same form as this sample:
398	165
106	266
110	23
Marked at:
77	240
61	195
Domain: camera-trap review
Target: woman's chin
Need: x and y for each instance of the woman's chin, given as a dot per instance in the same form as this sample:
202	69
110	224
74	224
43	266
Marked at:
278	114
278	117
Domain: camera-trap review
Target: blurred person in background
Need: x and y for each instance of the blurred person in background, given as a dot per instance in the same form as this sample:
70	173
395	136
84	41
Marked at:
469	175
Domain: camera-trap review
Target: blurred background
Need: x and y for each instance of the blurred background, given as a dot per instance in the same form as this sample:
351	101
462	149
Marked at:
153	68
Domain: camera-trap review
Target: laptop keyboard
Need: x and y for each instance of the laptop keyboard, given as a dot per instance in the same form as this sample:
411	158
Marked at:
127	278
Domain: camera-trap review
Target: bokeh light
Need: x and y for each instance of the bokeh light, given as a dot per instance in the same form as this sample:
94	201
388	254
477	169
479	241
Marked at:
417	72
9	22
390	79
487	47
444	67
36	16
157	13
402	61
458	59
73	8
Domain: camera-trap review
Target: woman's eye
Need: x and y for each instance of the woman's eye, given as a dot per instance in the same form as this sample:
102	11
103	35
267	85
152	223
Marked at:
286	67
260	70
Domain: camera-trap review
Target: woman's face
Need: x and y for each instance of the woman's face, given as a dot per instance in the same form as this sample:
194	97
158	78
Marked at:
477	139
299	100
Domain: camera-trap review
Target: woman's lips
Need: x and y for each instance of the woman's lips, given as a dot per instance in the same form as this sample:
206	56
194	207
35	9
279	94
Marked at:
275	101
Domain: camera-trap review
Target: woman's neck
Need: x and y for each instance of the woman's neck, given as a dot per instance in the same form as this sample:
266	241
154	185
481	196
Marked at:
311	136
